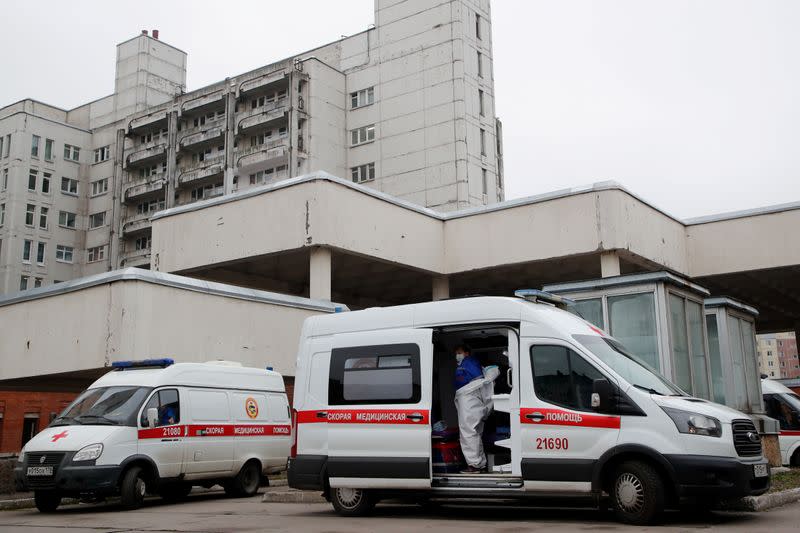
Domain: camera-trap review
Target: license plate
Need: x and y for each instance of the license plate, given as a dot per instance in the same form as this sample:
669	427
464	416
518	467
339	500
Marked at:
40	470
760	470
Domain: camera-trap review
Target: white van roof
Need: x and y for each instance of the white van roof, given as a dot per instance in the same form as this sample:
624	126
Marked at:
212	374
474	310
770	386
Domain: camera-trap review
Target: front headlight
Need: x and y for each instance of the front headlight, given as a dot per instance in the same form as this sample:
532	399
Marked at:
21	457
88	453
694	423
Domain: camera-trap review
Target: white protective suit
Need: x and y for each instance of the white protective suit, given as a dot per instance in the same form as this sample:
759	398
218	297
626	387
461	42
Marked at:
474	404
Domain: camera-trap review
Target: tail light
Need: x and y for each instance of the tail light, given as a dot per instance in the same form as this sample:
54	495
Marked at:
293	452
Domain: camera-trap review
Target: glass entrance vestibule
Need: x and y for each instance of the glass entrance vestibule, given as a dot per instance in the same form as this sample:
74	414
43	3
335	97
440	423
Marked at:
661	317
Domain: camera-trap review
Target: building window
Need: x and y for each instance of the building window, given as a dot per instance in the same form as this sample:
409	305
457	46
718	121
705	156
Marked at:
40	253
23	283
142	243
69	186
484	181
7	148
5	175
98	253
30	424
477	26
33	175
153	170
362	98
97	220
66	219
43	211
363	173
64	254
72	153
37	282
688	345
35	146
149	207
483	141
48	149
46	182
30	214
26	251
2	154
100	187
102	154
209	191
362	135
2	214
481	106
480	65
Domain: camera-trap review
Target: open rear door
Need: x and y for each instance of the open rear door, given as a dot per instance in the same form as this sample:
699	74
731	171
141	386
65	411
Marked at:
379	403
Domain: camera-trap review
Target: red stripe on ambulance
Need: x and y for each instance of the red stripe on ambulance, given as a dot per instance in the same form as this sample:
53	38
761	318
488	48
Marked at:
217	430
365	416
557	417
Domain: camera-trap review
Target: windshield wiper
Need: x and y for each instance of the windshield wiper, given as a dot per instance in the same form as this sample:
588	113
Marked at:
62	421
648	389
98	417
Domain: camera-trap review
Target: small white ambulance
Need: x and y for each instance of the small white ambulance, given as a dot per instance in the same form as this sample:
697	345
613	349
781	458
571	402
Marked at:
573	413
157	427
783	405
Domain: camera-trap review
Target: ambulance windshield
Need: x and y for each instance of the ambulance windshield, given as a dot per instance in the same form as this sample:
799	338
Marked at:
627	365
104	406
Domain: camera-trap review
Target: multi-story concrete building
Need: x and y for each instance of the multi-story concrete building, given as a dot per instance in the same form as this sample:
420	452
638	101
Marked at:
777	355
405	107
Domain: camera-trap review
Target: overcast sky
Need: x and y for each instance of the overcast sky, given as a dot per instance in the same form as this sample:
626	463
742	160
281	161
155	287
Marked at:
693	105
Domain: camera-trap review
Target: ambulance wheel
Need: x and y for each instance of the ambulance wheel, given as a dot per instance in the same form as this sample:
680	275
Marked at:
637	493
246	482
46	501
352	502
174	492
133	488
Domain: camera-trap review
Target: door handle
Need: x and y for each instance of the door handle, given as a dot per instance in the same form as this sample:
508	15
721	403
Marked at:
538	417
322	414
509	377
415	417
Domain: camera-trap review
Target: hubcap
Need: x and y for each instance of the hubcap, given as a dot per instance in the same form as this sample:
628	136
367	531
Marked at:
629	492
349	498
140	487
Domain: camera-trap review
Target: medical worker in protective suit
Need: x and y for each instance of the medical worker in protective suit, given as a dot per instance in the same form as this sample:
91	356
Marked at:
473	408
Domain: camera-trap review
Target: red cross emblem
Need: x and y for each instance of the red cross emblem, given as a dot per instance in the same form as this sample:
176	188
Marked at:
57	436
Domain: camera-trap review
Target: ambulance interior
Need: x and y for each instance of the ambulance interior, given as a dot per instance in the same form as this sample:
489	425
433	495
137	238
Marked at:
490	347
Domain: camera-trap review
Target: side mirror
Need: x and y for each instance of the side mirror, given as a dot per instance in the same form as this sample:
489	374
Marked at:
602	395
152	417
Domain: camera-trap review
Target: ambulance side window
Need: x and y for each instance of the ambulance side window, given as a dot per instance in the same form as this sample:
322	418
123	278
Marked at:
387	374
562	377
169	409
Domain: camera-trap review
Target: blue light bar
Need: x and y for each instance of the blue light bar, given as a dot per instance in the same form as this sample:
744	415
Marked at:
144	363
534	295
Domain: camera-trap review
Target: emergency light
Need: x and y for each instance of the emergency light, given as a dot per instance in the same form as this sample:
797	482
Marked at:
536	296
144	363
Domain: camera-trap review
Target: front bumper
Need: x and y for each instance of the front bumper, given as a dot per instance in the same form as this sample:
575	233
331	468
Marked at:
72	479
720	478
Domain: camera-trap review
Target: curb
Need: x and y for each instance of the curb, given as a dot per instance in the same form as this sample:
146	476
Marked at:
292	496
767	501
27	503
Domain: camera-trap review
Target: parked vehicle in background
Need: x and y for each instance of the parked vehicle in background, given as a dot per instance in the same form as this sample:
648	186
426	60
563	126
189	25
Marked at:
783	404
158	427
574	413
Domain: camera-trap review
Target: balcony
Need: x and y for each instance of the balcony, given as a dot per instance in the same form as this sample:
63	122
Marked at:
257	156
203	103
203	139
139	223
262	117
147	155
212	167
141	188
153	121
135	257
262	82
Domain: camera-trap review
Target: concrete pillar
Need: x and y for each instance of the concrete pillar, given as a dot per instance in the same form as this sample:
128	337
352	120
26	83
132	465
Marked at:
230	137
171	181
609	264
440	288
319	279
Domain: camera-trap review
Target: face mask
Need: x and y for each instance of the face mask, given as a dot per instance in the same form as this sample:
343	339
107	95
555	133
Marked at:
460	357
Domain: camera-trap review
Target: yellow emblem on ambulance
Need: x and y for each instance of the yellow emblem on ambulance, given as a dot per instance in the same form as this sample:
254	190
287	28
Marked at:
251	407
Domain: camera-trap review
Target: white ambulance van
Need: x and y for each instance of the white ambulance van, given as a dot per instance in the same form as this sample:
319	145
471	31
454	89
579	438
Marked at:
157	427
573	412
783	405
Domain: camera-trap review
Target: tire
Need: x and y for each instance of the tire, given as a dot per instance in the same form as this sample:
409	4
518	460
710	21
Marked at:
351	502
133	488
174	492
795	459
246	482
637	493
46	501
